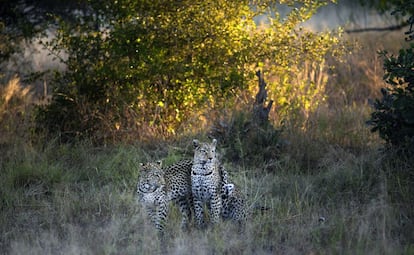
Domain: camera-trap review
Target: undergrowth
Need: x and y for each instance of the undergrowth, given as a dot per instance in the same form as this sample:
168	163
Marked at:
79	199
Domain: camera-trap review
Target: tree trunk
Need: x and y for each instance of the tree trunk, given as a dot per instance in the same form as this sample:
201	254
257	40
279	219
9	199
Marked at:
261	110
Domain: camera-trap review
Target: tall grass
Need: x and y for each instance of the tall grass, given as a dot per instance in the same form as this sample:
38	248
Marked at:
88	207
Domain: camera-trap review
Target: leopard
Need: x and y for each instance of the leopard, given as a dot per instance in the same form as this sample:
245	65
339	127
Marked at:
233	205
233	201
157	187
206	182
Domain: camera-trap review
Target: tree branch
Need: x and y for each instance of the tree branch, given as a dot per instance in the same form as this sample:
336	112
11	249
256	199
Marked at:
377	29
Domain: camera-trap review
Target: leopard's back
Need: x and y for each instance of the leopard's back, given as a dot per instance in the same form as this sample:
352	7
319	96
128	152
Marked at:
178	179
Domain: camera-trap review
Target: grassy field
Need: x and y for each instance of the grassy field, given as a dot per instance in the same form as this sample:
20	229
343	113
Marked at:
316	198
329	190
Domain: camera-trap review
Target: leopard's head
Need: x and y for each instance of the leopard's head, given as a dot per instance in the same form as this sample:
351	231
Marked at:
151	178
204	152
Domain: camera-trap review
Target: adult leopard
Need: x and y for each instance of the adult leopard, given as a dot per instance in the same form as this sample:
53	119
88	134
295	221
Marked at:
158	186
206	182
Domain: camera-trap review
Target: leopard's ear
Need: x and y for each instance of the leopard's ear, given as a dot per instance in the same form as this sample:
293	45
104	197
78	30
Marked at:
214	142
229	187
159	162
196	143
142	166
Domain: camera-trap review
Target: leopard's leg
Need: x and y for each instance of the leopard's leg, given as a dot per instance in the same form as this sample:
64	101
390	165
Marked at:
158	216
215	208
184	205
225	213
198	212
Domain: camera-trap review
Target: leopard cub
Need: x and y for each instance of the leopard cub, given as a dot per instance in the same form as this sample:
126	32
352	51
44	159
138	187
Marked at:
234	206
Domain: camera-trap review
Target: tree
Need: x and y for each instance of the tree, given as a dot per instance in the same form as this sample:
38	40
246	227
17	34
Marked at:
157	63
401	9
24	19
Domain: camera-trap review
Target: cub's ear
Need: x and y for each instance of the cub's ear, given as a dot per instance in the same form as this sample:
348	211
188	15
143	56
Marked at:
159	162
196	143
229	188
214	143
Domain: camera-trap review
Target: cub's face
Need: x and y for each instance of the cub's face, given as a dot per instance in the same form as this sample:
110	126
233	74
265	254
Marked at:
204	152
151	178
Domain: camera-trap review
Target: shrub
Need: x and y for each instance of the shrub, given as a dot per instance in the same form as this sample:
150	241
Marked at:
393	117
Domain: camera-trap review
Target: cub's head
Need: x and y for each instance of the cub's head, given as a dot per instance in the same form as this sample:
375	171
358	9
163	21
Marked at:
204	152
151	177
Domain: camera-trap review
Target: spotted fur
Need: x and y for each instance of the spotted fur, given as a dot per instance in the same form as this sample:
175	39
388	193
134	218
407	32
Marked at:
234	207
157	187
206	182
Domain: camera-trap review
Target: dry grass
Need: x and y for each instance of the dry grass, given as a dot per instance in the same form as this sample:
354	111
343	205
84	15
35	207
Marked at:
358	76
63	199
15	102
90	208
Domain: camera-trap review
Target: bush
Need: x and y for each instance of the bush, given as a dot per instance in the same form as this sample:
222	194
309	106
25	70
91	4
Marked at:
246	142
393	117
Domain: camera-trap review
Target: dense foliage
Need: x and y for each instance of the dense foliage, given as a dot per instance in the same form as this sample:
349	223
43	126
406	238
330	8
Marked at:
144	64
393	116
